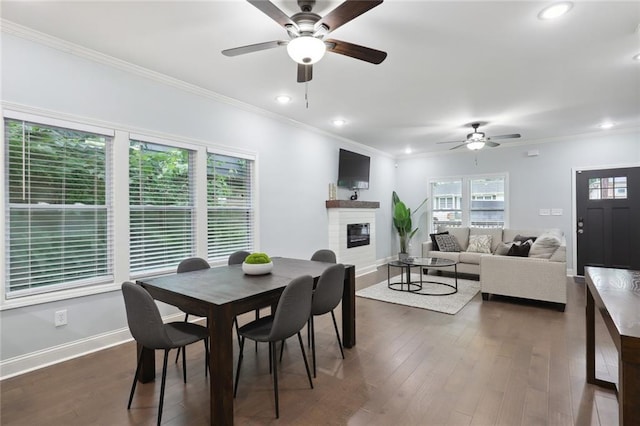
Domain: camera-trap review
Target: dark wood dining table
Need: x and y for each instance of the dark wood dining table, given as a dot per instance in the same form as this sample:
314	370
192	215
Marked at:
225	292
616	294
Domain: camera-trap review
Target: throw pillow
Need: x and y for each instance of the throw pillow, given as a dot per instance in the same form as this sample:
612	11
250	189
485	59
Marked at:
503	249
523	239
434	243
479	243
520	249
447	242
544	246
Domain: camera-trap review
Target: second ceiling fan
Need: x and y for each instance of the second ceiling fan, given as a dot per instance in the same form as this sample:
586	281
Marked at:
307	31
478	140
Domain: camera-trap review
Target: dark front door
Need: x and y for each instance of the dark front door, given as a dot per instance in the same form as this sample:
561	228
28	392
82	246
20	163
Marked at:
608	218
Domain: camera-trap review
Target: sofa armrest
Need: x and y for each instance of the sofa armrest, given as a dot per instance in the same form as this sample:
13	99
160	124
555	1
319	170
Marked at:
427	246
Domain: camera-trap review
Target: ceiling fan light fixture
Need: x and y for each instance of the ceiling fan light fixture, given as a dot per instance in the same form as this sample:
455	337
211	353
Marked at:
475	145
306	50
556	10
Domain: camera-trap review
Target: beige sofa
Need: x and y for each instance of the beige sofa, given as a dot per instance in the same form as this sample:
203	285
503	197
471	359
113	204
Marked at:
542	275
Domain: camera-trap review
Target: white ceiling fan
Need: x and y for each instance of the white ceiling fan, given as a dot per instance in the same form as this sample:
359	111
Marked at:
477	140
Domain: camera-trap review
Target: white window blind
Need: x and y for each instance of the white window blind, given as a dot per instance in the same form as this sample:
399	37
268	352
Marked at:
161	206
59	214
230	224
487	202
446	203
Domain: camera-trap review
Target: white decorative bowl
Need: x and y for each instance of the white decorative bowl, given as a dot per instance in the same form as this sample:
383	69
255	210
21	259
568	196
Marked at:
257	268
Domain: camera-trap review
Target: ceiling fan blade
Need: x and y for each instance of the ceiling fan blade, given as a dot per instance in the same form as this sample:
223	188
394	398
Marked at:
305	73
344	13
512	136
456	147
253	48
448	142
355	51
491	144
272	11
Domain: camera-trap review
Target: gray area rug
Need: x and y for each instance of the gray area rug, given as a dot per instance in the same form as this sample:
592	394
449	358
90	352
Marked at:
451	304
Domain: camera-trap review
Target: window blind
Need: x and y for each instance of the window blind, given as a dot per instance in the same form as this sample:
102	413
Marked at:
161	216
230	219
58	208
487	202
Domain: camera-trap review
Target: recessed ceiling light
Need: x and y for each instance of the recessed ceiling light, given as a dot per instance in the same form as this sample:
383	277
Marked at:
339	122
283	99
408	151
607	125
555	10
636	57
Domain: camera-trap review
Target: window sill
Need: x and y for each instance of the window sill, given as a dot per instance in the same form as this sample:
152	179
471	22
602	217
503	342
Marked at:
37	299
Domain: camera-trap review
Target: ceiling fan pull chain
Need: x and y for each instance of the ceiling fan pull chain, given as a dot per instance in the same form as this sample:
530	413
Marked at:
306	93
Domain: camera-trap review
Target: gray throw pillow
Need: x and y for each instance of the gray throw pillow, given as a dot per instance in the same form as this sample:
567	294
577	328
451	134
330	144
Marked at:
503	249
447	242
544	246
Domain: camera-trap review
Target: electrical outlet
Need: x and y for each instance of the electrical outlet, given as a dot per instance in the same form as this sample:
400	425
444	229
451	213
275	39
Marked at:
60	318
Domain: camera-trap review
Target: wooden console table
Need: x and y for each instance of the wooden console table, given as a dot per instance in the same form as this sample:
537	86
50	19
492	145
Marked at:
616	293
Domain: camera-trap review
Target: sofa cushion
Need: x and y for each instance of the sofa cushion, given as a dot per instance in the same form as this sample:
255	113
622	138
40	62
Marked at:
433	239
479	244
495	233
545	245
520	249
470	257
447	242
462	236
450	255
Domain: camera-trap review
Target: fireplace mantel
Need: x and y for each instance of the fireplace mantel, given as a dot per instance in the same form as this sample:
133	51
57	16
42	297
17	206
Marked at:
348	204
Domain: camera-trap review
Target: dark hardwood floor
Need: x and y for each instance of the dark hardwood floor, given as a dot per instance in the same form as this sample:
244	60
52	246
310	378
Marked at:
500	362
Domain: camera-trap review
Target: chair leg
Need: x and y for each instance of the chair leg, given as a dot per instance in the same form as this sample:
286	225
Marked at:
306	363
135	380
240	356
272	349
335	326
257	318
184	363
313	344
186	319
309	332
281	350
164	381
235	323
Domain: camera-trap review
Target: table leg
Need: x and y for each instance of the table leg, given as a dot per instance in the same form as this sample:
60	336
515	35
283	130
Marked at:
221	365
628	392
349	308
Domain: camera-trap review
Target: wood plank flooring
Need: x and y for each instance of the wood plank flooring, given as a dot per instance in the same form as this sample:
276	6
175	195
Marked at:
499	362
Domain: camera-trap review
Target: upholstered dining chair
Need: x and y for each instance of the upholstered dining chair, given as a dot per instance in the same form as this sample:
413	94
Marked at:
324	255
188	265
237	257
326	297
292	313
147	328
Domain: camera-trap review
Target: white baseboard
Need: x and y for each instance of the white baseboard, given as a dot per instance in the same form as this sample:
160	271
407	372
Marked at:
43	358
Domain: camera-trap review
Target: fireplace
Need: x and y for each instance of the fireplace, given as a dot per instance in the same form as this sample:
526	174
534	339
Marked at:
358	235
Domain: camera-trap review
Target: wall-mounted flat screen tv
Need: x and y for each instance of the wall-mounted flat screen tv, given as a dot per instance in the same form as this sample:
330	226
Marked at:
353	170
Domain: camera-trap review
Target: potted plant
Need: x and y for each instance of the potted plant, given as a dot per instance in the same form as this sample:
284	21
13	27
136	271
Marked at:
257	264
402	222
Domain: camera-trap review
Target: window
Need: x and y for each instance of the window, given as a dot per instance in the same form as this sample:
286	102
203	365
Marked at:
59	207
487	202
608	188
477	201
446	204
229	205
161	206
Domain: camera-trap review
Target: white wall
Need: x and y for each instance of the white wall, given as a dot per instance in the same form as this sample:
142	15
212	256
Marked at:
543	181
295	164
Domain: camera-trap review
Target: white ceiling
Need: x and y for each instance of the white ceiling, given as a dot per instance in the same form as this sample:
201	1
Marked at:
449	63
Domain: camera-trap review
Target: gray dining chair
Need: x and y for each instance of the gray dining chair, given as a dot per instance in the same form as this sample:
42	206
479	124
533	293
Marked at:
148	330
188	265
292	313
326	297
324	255
237	257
